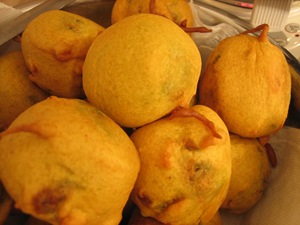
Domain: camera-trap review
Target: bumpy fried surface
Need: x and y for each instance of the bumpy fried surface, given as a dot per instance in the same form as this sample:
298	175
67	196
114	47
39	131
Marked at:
138	219
178	11
17	92
185	167
135	73
65	162
247	81
54	45
251	170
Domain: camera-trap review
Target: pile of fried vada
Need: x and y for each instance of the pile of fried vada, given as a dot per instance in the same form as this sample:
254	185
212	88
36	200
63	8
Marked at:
113	125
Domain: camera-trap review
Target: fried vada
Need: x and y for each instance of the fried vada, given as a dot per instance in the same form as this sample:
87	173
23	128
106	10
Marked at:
17	92
251	170
65	162
54	45
185	166
178	11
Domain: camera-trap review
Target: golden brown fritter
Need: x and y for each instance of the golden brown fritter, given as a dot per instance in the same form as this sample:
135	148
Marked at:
54	45
185	167
65	162
17	92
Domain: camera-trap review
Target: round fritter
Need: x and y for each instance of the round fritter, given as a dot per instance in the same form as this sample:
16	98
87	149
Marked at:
17	92
178	11
54	45
185	167
65	162
251	170
136	74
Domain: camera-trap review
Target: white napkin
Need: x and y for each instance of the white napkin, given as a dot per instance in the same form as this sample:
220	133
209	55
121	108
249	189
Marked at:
280	204
8	13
